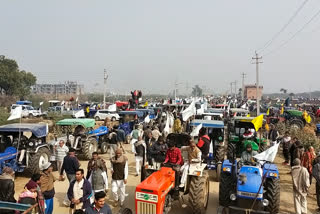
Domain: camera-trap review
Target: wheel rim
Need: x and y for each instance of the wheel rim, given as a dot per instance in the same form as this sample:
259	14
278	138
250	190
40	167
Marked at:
295	126
44	158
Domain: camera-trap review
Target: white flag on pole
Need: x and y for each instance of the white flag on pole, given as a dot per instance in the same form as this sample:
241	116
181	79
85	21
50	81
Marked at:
269	154
195	131
16	113
188	112
77	99
41	103
79	113
112	107
167	127
147	119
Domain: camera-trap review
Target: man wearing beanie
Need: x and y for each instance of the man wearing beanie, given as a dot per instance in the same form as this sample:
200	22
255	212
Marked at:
301	184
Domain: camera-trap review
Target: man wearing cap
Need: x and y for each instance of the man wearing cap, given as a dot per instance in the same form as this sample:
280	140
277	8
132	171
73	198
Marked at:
47	186
70	165
301	184
119	171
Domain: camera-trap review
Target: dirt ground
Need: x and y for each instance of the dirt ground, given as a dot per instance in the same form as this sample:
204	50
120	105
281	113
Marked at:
286	190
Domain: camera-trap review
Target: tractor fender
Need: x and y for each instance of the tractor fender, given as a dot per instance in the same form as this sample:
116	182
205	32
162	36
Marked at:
40	146
227	166
271	169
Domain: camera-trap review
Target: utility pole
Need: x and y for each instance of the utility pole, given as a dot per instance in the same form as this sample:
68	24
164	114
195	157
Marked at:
231	88
243	76
257	58
235	89
105	77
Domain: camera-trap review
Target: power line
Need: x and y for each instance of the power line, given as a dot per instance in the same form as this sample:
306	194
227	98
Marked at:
294	35
268	43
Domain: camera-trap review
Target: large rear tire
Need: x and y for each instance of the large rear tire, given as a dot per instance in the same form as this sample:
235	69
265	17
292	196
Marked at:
88	147
272	194
199	193
218	174
38	160
219	154
231	150
296	124
225	189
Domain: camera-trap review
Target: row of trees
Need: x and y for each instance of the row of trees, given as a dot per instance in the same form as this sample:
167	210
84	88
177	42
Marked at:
14	82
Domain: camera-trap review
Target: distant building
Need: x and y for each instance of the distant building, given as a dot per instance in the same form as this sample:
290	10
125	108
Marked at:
61	88
250	91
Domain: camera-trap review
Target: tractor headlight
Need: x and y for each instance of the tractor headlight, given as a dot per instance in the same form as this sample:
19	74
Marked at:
273	174
30	143
265	202
233	197
226	169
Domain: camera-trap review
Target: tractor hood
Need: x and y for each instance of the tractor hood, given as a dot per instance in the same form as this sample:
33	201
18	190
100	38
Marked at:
249	182
102	130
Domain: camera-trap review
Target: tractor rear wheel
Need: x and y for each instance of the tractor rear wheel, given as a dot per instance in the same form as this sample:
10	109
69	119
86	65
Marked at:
272	194
38	160
225	189
199	193
231	151
104	147
296	124
88	147
219	154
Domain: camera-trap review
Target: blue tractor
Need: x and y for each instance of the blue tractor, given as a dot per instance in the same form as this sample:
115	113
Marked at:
101	134
215	130
23	146
249	188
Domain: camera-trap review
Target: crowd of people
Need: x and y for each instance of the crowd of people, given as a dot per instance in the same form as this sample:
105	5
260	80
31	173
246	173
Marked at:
86	193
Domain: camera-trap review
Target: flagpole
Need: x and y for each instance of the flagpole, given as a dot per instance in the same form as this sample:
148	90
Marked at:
19	138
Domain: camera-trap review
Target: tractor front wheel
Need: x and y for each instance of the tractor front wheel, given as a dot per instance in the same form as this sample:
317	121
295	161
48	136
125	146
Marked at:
88	147
104	147
199	193
38	160
225	189
272	194
231	150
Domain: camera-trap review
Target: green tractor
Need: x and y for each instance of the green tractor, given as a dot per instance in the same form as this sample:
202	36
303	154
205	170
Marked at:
241	131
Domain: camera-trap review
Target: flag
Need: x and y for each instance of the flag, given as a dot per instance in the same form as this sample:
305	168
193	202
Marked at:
16	113
146	104
248	115
307	117
41	103
195	131
77	99
147	119
268	111
282	110
257	122
188	112
167	128
269	154
79	113
112	107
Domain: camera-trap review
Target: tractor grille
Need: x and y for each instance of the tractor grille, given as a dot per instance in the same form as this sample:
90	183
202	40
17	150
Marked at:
146	208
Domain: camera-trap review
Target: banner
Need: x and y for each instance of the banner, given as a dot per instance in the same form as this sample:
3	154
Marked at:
188	112
195	131
112	107
16	113
269	154
79	113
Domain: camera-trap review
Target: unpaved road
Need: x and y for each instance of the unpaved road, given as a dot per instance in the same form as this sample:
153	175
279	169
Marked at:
286	190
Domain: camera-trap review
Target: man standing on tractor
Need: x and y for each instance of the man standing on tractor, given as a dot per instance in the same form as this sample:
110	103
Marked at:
204	143
119	171
173	156
247	156
97	173
194	156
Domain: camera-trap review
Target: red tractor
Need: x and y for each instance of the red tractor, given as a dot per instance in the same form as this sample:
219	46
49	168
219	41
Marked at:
156	193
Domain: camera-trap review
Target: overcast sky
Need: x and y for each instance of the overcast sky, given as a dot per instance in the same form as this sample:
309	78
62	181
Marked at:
148	44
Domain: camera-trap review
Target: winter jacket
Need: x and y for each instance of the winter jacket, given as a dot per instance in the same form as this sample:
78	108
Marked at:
7	191
87	193
204	146
158	152
104	210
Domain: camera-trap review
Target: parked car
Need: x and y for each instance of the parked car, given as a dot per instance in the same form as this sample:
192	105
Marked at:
27	110
104	113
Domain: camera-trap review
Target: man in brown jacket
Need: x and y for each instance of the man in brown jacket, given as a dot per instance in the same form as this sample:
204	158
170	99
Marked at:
194	156
301	184
47	187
